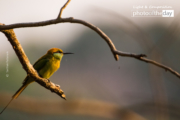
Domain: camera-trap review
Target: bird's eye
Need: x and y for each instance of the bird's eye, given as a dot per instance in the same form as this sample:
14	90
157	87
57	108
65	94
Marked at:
57	52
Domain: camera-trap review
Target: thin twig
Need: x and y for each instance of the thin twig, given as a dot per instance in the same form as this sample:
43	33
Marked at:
27	66
142	58
61	10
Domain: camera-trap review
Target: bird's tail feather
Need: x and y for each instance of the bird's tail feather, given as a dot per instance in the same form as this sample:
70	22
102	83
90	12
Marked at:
19	91
26	82
6	106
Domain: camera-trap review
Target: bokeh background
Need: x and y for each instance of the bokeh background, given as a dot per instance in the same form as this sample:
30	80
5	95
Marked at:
96	86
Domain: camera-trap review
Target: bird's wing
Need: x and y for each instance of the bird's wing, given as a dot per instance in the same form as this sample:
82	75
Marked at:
38	65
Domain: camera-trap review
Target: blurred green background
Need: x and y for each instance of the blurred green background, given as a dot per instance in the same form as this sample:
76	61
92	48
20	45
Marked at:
96	86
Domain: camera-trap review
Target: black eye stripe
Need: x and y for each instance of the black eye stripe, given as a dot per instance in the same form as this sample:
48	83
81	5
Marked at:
58	52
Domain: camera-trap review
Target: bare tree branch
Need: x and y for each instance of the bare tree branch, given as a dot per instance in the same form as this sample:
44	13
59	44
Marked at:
27	66
61	10
142	58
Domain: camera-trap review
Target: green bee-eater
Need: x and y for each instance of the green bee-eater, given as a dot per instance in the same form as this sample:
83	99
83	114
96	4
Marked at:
45	66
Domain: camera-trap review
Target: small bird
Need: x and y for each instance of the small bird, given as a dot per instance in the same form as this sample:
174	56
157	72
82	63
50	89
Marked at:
45	66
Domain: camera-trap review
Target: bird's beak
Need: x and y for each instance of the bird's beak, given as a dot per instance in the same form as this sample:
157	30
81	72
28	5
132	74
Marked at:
67	53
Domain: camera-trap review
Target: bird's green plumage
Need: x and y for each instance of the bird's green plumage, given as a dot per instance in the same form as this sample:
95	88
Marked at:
40	63
49	67
47	64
